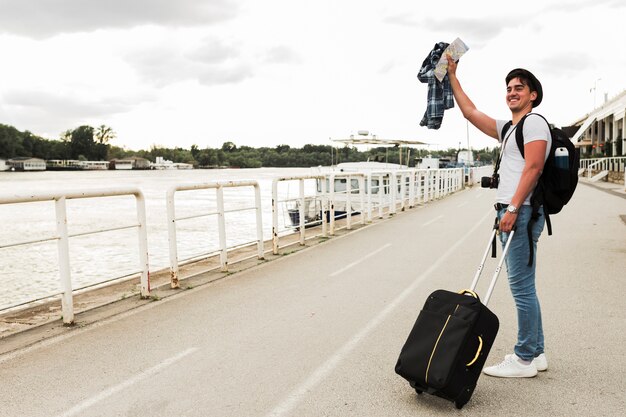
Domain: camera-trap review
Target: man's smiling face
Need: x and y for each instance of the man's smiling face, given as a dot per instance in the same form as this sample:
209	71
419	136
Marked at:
518	96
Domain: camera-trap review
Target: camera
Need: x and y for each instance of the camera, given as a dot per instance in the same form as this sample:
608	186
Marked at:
490	182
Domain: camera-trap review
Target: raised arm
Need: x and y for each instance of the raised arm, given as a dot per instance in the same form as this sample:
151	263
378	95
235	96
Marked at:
484	123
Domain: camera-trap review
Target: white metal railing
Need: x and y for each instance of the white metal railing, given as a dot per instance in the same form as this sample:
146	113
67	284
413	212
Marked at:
431	185
395	189
62	237
221	221
332	197
406	187
613	164
437	183
377	190
403	189
390	188
301	202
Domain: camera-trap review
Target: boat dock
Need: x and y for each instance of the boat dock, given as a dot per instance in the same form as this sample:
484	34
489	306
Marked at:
316	330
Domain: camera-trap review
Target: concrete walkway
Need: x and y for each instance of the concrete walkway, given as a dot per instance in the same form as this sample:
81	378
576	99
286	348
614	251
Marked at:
318	332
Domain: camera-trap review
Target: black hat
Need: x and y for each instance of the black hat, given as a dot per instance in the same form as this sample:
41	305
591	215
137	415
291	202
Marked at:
535	85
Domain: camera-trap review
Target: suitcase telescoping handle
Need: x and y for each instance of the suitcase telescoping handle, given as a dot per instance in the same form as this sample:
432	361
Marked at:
496	273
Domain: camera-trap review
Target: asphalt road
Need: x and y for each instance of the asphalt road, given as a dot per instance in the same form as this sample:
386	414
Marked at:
318	332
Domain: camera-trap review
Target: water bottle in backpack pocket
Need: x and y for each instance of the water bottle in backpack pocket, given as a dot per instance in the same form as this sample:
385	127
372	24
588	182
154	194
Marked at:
561	163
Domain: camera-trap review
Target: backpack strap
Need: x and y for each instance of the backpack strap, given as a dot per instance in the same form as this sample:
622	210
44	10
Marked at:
548	222
506	127
519	133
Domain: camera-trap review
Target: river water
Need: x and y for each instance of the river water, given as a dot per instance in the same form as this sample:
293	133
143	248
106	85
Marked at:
30	272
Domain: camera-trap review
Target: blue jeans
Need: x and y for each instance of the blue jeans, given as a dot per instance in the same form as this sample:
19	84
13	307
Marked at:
530	342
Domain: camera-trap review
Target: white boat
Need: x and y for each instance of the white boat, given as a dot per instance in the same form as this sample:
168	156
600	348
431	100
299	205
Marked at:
379	174
162	163
27	164
123	164
95	165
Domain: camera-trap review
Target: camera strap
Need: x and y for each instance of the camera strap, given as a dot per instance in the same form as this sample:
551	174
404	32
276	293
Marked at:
504	142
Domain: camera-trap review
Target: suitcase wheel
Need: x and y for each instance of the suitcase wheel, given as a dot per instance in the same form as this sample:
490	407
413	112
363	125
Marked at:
464	397
419	391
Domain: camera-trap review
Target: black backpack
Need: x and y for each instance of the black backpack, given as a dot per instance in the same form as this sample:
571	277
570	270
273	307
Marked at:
557	182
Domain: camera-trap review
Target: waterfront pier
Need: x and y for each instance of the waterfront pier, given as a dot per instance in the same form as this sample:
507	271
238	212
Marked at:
317	332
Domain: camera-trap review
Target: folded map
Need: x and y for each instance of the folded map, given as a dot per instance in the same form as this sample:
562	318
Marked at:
456	49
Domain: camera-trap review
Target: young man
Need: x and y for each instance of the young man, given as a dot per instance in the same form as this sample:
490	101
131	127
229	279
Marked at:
518	177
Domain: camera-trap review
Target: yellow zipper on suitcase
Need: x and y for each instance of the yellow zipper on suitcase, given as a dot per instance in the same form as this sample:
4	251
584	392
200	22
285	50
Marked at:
436	343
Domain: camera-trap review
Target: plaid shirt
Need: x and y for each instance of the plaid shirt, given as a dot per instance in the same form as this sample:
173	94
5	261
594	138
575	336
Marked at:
440	95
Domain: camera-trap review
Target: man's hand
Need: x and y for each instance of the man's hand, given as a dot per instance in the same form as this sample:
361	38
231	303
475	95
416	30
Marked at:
451	66
507	222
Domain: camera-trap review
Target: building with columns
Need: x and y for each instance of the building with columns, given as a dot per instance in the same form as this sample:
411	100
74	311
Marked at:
601	133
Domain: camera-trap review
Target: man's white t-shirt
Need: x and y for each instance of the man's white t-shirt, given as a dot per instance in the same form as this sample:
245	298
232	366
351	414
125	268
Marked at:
512	163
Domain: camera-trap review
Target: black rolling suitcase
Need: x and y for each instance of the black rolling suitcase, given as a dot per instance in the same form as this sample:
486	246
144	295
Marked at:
451	339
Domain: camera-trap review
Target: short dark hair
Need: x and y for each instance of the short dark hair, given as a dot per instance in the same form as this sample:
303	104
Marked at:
527	78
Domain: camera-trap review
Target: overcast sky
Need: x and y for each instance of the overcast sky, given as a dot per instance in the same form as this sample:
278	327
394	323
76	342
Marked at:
270	72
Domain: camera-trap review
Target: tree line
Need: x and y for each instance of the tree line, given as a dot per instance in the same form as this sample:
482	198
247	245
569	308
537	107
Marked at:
93	144
82	143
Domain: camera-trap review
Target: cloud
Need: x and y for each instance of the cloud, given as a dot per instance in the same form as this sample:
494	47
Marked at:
564	6
52	102
213	51
401	20
46	18
281	55
480	30
47	111
211	62
565	64
225	75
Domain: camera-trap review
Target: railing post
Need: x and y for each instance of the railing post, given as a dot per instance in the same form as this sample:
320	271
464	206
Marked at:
393	184
419	189
381	190
301	212
349	202
461	179
332	204
275	216
411	188
221	225
67	302
362	197
172	240
438	184
402	191
324	208
259	222
369	197
142	234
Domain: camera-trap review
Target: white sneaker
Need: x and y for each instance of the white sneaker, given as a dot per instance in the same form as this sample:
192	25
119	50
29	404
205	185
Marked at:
541	362
511	367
